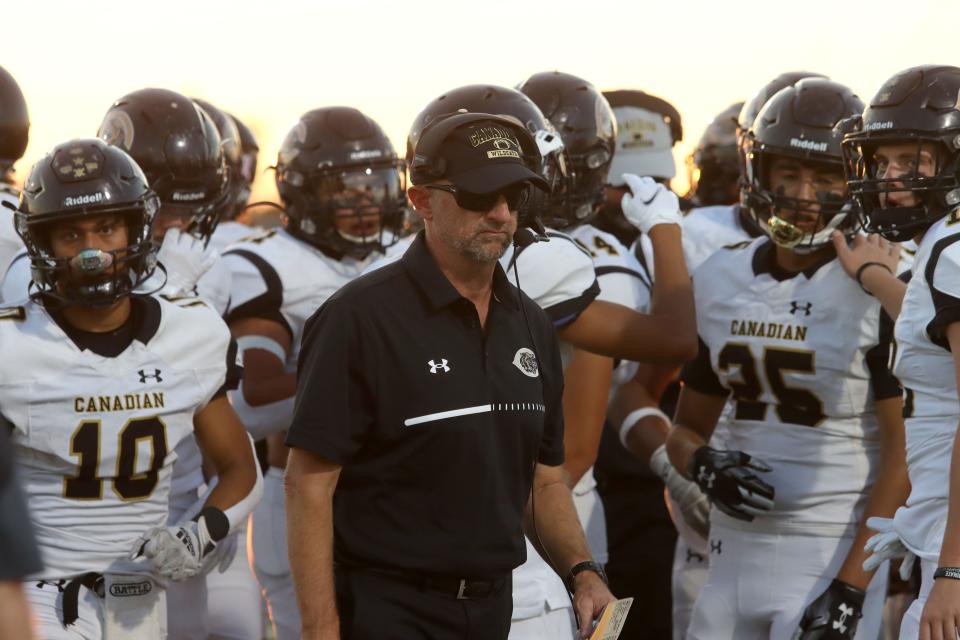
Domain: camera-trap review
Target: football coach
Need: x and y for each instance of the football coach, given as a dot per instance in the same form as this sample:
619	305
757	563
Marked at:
428	431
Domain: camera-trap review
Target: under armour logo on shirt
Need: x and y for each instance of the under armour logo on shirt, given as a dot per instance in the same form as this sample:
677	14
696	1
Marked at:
434	367
845	612
796	307
704	478
693	555
155	375
716	546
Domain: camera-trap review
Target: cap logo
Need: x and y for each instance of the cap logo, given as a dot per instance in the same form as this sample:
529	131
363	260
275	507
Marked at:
86	198
808	145
505	144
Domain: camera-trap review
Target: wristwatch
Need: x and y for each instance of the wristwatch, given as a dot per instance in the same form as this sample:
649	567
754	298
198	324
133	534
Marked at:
587	565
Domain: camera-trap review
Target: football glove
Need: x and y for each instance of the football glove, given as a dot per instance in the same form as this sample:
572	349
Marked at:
185	260
221	557
694	505
832	616
886	545
730	481
177	551
649	203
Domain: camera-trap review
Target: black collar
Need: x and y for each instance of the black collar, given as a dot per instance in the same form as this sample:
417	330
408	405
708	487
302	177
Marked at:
747	223
142	325
765	261
427	275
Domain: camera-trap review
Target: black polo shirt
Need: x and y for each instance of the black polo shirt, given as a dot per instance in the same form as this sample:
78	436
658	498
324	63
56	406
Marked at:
437	422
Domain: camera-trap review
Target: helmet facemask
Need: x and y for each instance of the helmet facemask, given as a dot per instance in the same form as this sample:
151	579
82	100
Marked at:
92	277
799	224
353	211
932	178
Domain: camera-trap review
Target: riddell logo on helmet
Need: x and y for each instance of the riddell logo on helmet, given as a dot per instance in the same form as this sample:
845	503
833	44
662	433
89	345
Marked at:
808	145
874	126
180	196
87	198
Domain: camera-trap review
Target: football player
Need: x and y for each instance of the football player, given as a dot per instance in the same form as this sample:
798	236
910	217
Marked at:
713	169
817	411
14	132
101	386
342	189
643	427
902	166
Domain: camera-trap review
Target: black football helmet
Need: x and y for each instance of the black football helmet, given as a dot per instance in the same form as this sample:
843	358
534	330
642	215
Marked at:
503	101
232	155
14	122
85	178
751	108
337	163
804	121
713	168
588	129
177	145
921	106
249	150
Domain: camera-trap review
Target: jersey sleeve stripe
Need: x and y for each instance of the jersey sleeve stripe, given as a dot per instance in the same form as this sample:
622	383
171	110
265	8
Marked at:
563	313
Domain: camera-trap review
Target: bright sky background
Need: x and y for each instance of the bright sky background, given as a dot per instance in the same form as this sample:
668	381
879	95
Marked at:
269	61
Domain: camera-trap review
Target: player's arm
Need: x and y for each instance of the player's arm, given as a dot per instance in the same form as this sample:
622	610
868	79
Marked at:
226	446
585	394
558	536
643	430
309	485
14	611
941	615
872	261
694	422
668	334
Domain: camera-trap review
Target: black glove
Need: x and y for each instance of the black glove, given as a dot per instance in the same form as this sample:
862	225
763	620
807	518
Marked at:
834	615
728	479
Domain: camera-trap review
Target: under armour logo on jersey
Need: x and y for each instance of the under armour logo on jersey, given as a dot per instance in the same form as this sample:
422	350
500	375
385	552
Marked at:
795	306
716	546
434	367
693	555
144	375
845	612
703	478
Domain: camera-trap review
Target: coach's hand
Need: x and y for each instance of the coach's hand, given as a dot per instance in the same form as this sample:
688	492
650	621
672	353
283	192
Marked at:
177	552
834	615
590	596
729	478
649	203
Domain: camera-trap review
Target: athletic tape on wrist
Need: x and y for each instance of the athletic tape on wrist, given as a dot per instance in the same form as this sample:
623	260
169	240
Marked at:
262	342
237	514
636	416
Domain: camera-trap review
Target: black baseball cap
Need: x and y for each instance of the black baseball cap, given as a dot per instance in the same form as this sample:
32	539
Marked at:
485	157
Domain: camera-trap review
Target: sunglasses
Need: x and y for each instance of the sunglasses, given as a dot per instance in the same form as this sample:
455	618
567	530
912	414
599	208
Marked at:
516	196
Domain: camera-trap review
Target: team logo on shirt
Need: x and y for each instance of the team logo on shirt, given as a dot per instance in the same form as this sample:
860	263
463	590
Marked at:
525	360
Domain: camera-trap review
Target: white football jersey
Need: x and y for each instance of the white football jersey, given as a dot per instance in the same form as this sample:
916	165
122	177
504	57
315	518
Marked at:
10	242
622	279
705	230
94	436
804	361
558	275
278	277
924	365
228	232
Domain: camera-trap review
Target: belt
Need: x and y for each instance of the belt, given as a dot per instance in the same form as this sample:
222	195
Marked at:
71	593
459	588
